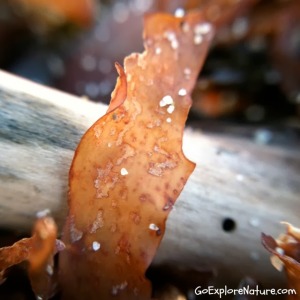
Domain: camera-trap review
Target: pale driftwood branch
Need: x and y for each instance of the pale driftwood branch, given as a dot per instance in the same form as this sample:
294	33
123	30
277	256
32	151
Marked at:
256	186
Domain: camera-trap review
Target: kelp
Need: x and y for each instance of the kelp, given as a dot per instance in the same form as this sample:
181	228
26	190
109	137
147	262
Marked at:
129	168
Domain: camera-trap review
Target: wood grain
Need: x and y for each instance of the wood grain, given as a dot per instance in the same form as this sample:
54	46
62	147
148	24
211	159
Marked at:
253	186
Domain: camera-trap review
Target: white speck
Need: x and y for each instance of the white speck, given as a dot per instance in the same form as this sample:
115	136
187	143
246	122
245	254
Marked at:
279	250
198	39
43	213
88	62
182	92
124	172
96	246
239	177
169	120
174	44
157	50
49	270
187	72
170	109
254	222
171	36
119	287
153	227
202	28
166	100
108	145
179	12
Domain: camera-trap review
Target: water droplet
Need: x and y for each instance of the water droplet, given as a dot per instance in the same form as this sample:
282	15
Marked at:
182	92
279	250
171	37
124	172
174	44
202	28
166	100
96	246
154	227
157	50
187	72
170	109
198	39
179	12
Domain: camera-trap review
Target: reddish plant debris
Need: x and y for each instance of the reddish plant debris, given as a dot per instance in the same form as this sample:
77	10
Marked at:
57	12
129	165
286	255
211	100
38	251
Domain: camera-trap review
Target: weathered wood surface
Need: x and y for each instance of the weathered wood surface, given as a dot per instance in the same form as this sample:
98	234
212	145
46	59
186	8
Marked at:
256	186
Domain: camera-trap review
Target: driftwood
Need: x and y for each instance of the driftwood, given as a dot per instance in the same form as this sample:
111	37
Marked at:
238	189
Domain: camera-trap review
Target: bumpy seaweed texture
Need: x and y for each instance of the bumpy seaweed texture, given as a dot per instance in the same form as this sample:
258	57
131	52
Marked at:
129	168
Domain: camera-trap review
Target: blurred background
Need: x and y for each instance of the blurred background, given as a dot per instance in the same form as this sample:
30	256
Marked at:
249	86
251	76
